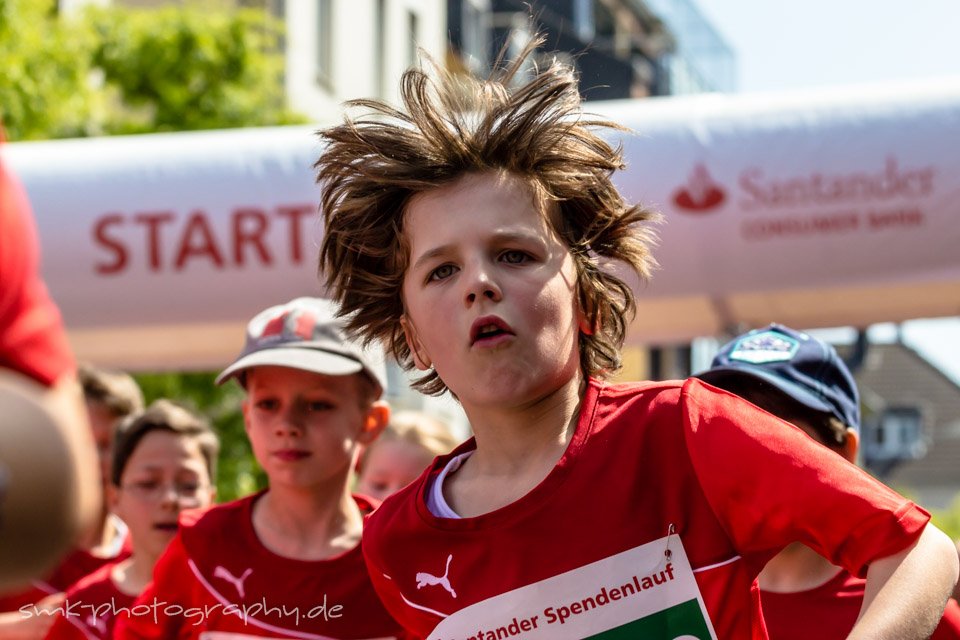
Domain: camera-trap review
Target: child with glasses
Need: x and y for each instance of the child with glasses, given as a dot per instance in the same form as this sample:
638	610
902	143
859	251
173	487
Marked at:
164	461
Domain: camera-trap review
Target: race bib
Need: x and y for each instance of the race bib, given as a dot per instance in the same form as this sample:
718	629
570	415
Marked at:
646	592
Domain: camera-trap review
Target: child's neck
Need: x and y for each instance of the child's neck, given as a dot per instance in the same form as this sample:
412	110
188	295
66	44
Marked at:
796	568
102	543
307	524
516	450
131	576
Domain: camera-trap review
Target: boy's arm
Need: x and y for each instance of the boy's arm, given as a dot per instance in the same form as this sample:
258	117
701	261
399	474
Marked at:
769	485
906	592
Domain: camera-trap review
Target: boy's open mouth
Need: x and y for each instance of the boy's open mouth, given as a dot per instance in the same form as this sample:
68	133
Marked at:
487	328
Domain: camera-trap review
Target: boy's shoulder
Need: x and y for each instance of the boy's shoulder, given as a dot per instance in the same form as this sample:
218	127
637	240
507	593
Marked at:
620	392
623	399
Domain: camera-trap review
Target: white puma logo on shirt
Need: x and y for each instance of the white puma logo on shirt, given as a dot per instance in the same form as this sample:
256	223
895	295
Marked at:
425	579
221	572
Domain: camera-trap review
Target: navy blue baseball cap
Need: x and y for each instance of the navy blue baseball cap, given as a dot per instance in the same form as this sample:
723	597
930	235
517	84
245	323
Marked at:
804	368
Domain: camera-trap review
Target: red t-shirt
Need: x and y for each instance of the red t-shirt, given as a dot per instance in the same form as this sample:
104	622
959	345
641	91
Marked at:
216	576
90	608
587	551
32	338
829	611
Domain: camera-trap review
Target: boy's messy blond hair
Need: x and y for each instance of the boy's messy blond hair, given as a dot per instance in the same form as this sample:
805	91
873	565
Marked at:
450	126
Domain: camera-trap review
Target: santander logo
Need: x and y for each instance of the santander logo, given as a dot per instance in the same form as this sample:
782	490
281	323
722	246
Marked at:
701	194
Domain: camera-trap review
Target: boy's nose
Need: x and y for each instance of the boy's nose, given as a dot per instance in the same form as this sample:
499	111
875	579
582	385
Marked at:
291	422
480	284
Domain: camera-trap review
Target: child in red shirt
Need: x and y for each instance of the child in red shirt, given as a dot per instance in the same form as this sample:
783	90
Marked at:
476	232
285	562
164	461
802	380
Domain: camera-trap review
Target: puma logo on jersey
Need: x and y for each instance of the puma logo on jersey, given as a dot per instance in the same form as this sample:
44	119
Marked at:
425	579
221	572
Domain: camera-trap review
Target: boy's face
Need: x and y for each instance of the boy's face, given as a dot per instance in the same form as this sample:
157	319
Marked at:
305	427
490	292
390	466
165	474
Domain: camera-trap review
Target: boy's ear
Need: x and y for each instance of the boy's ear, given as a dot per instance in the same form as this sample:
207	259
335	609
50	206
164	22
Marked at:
588	320
245	407
585	325
111	495
850	446
420	357
378	415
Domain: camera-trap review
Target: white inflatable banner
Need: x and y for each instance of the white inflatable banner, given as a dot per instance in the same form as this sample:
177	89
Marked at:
813	209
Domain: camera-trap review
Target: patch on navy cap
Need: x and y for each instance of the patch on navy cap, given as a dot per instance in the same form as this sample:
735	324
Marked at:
764	347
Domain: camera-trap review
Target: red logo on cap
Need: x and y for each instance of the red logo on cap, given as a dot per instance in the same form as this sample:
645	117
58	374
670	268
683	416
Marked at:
701	194
274	327
303	325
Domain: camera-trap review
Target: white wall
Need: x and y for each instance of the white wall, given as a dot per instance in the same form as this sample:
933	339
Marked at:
354	49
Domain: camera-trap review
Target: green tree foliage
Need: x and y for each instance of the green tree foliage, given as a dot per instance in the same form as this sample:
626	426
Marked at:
178	68
238	473
45	89
116	69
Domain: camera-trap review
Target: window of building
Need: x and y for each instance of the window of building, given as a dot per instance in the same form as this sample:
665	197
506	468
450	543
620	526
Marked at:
325	42
475	35
583	19
413	31
380	47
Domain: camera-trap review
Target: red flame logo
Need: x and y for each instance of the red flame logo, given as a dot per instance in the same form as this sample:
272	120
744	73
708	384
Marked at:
701	193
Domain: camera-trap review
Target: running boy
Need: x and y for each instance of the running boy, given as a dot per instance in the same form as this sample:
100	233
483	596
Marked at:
802	380
285	562
163	461
473	233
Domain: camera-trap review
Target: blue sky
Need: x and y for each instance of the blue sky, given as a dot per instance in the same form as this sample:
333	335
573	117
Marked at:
783	45
797	45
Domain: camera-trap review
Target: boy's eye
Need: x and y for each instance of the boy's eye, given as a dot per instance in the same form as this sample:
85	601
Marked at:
187	488
319	405
267	404
514	256
442	272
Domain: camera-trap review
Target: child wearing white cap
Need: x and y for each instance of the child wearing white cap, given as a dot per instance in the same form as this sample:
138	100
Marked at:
285	562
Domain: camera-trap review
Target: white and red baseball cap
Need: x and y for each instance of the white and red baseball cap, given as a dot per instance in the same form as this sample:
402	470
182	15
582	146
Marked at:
306	334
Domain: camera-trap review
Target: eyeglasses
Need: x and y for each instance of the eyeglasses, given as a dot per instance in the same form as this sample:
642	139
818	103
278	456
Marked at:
155	491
